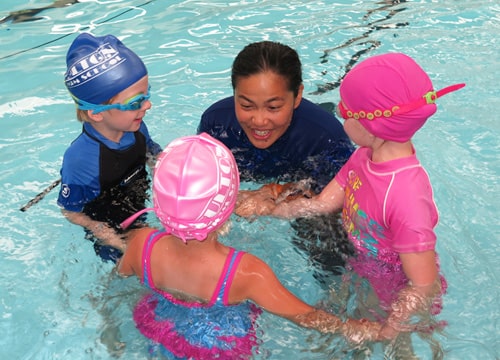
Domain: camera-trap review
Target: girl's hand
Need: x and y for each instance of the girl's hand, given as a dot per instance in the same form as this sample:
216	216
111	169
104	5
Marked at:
255	203
360	331
262	202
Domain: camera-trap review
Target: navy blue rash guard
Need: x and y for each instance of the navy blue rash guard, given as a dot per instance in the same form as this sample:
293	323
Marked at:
105	180
315	145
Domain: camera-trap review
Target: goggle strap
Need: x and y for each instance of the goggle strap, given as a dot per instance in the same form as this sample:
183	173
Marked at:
429	98
449	89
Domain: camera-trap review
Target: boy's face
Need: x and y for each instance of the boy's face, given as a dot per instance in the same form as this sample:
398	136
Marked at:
113	123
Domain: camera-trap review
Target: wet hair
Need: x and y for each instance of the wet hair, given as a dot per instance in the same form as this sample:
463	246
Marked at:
83	116
263	56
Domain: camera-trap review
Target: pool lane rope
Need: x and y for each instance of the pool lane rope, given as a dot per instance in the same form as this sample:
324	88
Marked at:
40	196
66	35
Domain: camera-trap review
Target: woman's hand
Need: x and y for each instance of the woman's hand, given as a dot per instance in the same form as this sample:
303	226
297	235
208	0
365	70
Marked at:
253	203
263	201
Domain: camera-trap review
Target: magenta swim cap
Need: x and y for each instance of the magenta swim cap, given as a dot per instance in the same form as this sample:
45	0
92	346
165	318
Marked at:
98	68
390	95
195	186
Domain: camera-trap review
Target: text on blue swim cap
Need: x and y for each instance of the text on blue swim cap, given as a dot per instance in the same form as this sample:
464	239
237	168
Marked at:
104	59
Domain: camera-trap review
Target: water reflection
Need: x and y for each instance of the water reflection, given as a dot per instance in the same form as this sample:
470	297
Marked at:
26	15
363	40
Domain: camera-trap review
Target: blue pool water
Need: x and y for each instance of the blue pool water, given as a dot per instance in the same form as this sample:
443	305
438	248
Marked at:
58	301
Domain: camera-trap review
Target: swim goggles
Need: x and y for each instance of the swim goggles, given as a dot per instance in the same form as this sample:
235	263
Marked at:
429	98
133	103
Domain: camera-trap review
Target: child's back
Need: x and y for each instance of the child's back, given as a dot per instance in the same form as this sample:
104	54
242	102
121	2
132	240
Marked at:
204	291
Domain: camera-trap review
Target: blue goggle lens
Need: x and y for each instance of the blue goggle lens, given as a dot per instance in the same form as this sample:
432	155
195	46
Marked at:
132	104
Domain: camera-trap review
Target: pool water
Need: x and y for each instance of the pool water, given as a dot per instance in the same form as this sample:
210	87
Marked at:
59	301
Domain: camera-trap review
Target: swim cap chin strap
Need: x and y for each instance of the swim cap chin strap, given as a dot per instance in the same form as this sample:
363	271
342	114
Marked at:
127	222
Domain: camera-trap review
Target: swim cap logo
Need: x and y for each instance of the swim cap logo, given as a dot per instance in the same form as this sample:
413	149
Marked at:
97	63
226	187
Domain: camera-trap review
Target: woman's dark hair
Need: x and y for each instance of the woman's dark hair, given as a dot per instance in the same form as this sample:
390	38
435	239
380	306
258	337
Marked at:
265	56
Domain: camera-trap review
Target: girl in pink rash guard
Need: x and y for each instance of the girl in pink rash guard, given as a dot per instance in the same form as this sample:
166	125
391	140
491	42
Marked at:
383	191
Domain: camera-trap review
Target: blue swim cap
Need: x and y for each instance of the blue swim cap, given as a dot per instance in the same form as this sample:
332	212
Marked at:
98	68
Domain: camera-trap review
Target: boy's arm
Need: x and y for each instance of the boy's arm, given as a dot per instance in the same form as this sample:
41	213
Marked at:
101	230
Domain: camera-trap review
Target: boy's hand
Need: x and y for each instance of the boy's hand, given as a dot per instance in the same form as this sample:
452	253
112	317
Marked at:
108	236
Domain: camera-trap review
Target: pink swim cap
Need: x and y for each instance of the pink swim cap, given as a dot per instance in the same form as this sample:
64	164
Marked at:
195	186
390	95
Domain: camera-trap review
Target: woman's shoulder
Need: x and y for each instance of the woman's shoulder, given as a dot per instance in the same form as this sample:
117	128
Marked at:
311	117
307	107
220	105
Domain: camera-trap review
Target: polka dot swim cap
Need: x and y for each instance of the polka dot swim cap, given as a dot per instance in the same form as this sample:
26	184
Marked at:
390	95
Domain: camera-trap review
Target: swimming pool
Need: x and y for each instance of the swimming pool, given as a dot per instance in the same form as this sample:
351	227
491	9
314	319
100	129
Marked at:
59	301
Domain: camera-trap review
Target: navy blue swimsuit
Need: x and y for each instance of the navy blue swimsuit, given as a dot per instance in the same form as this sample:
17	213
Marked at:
314	147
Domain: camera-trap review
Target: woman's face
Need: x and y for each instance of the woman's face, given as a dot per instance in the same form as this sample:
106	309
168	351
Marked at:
264	107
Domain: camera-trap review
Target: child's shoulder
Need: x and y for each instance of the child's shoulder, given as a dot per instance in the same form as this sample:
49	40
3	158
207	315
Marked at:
82	147
252	264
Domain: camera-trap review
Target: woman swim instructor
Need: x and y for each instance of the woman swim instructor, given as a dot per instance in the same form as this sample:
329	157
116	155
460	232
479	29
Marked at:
276	135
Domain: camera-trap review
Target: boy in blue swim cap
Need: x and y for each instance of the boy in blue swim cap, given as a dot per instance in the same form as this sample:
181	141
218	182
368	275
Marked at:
104	177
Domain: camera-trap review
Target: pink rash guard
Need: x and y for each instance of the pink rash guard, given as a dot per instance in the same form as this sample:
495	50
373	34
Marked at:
388	209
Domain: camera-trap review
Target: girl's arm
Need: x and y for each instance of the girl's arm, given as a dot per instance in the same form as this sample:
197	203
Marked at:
423	286
263	202
328	201
256	281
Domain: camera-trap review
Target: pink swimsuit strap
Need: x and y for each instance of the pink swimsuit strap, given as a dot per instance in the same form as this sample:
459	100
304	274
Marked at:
221	291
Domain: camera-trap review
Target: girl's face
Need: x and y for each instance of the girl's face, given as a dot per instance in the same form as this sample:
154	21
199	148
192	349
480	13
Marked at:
264	107
357	133
113	123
